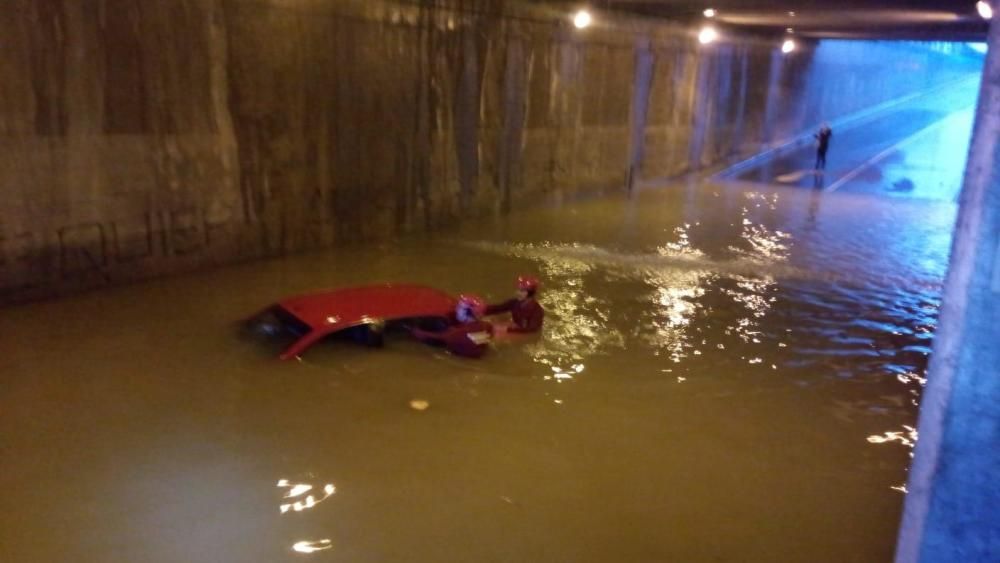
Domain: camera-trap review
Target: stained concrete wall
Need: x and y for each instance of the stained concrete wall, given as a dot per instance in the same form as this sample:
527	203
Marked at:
147	137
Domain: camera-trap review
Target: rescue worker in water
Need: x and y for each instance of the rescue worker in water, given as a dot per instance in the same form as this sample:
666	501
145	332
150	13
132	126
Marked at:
467	335
525	311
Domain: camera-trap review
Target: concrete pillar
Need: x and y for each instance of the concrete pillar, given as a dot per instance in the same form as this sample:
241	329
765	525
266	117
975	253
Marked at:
515	92
952	510
466	117
644	66
773	96
704	90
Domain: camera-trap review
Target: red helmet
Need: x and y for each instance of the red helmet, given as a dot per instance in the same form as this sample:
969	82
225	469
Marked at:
527	283
474	303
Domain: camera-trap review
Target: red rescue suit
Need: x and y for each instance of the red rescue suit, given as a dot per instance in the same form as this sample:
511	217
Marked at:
468	340
527	314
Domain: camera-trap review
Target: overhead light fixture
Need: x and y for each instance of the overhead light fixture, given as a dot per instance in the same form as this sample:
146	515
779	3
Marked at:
789	30
984	9
791	14
582	19
788	46
709	12
707	35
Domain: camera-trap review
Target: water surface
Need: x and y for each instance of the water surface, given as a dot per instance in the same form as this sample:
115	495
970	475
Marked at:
727	373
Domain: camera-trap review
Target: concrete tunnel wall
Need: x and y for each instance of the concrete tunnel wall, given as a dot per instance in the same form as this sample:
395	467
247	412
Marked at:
150	137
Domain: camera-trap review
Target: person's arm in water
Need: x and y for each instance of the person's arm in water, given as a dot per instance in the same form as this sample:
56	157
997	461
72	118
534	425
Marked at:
504	307
468	341
529	320
428	336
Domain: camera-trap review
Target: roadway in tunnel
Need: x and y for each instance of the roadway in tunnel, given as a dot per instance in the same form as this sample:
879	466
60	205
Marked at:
916	150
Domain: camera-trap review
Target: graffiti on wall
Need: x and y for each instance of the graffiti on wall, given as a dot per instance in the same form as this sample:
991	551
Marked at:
93	251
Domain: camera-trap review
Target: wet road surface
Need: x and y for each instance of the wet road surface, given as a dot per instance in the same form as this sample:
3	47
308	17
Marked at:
916	150
727	373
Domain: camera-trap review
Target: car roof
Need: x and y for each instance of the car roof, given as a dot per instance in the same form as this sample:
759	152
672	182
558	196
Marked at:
342	308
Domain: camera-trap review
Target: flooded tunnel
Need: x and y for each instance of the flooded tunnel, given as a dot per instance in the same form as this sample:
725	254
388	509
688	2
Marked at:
747	353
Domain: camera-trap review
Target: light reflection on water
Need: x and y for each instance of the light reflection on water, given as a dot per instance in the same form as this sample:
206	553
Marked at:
306	503
307	546
675	297
576	321
296	491
907	437
688	286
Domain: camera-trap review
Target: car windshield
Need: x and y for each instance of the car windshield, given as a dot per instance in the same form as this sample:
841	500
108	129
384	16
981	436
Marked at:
280	329
289	322
276	321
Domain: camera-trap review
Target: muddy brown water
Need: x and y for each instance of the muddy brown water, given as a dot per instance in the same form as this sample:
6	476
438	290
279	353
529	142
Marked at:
727	373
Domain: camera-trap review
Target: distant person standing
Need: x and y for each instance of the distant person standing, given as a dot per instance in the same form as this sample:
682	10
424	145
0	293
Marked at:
822	145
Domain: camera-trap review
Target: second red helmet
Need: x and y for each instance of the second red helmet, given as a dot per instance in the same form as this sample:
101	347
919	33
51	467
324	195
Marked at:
527	283
474	303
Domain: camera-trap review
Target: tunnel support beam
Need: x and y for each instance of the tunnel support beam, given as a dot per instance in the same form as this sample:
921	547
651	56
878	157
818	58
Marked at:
952	510
644	65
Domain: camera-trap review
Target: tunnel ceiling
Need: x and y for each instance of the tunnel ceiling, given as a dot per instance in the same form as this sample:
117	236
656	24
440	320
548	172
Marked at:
955	20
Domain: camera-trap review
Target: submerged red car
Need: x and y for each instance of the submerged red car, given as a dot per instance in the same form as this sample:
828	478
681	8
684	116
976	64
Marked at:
361	312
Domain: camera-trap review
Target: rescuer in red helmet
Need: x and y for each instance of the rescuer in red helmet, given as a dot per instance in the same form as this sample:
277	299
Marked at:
525	311
468	335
